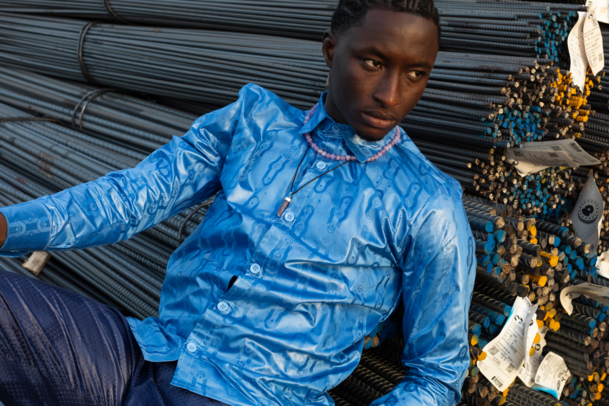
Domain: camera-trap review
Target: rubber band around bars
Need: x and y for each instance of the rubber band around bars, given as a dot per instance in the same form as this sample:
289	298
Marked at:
84	103
109	9
81	42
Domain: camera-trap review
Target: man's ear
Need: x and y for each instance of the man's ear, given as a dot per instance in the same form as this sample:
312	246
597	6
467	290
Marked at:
328	46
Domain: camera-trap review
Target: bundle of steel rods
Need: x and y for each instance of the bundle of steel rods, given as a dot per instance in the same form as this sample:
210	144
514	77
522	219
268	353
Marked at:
206	66
530	29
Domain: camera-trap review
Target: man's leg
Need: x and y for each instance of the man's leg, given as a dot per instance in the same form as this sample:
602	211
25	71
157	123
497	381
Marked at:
151	386
59	348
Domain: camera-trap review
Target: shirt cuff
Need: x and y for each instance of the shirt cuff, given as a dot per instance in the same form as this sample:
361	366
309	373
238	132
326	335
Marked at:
29	228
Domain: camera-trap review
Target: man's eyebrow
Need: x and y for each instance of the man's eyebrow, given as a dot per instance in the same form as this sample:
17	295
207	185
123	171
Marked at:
375	51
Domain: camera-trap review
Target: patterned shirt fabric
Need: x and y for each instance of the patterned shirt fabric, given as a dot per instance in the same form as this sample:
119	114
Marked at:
310	284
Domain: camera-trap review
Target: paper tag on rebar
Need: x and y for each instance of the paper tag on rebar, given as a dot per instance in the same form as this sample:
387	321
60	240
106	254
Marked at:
506	353
529	370
602	264
594	292
588	213
602	9
530	330
593	42
577	52
552	375
536	156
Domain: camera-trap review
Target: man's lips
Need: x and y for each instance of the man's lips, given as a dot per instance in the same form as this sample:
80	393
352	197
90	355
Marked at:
374	120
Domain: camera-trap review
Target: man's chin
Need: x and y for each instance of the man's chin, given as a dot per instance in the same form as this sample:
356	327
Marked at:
372	134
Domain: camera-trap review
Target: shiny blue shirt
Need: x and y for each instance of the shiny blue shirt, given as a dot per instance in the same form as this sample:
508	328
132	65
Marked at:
312	283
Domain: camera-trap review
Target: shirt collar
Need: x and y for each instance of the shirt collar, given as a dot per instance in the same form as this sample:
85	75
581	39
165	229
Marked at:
323	125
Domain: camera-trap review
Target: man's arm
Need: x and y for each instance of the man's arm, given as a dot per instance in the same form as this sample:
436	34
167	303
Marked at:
438	277
123	203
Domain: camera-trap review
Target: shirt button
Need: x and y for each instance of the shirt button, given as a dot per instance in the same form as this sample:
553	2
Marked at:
191	347
289	216
255	269
223	307
321	166
335	128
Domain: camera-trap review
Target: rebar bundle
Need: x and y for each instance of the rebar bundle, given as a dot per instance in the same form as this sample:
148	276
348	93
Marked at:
532	29
206	66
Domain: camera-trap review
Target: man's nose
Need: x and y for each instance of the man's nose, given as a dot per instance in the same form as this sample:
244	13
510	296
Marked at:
388	91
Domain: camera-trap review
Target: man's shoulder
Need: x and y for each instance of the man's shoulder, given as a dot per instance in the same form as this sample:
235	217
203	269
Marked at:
420	171
256	99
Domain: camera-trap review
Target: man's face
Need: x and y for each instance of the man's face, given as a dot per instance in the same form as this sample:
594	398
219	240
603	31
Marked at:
379	70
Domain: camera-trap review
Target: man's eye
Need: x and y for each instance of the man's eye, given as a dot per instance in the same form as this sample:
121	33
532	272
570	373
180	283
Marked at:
415	73
373	63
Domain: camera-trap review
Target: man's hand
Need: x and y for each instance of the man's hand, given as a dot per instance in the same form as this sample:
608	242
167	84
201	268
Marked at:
3	229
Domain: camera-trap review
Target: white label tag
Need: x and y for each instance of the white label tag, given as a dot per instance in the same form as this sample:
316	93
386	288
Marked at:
529	370
530	330
588	213
602	264
593	42
594	292
535	156
577	51
506	353
602	9
552	374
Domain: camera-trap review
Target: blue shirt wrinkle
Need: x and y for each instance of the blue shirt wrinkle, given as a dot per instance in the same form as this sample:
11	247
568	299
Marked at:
311	284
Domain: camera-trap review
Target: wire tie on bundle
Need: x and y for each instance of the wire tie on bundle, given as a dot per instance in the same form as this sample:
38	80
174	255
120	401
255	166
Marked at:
81	42
116	16
84	103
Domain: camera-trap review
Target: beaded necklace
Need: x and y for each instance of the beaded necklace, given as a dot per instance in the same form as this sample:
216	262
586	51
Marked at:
345	158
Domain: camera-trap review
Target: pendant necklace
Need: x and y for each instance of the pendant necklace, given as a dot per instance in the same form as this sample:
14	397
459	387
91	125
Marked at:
346	158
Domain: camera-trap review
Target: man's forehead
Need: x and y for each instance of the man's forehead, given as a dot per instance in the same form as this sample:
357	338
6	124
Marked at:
392	30
394	34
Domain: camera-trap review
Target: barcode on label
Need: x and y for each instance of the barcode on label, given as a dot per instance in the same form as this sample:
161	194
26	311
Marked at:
518	153
494	350
497	381
553	155
600	57
510	369
556	148
575	147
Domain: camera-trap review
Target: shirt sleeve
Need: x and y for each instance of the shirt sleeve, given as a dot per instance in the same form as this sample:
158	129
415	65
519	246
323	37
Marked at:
438	276
123	203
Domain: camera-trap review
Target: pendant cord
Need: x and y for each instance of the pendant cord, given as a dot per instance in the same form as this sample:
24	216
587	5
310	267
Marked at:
315	178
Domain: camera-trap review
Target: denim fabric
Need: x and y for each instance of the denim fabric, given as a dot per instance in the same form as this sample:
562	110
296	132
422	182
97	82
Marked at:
310	284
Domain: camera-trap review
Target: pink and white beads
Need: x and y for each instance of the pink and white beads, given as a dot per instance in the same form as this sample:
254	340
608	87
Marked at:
323	153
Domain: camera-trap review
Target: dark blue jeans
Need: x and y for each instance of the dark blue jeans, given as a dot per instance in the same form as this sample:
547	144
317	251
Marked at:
58	348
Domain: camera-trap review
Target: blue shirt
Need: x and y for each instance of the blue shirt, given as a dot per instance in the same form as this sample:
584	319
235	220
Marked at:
312	283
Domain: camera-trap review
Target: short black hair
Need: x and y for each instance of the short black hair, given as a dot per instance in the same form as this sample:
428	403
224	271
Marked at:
350	13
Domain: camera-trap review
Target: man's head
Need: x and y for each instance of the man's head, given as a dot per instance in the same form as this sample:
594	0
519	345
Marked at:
380	54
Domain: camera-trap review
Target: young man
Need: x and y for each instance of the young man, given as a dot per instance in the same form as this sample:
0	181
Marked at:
322	221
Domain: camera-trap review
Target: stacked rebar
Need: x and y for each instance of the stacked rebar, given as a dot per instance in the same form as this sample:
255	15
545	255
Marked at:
531	29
